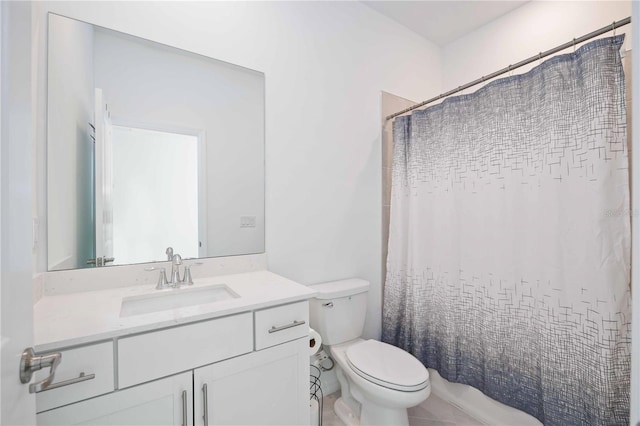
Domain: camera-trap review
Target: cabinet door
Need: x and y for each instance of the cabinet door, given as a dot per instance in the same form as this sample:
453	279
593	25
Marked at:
162	402
267	387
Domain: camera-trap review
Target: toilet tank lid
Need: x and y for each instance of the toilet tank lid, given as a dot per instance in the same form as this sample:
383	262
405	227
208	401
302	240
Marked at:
342	288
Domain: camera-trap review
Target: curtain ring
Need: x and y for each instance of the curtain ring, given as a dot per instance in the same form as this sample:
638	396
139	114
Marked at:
540	58
574	45
613	28
510	71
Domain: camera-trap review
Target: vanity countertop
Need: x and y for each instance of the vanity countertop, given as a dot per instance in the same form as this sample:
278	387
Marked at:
84	317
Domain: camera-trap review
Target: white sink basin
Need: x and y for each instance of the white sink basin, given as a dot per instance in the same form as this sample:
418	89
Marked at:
175	298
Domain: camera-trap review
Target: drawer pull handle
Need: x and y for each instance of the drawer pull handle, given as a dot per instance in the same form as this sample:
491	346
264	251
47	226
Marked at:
81	378
284	327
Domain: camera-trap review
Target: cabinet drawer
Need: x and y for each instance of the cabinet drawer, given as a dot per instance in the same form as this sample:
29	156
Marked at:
157	354
94	359
281	324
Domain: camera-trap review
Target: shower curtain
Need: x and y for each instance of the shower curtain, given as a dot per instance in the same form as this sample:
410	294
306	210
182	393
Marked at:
509	242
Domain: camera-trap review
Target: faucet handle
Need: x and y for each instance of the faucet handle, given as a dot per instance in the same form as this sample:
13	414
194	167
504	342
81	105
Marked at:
175	270
162	279
187	273
169	253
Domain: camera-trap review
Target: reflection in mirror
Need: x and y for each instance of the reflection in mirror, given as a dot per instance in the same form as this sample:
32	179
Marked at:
149	147
155	187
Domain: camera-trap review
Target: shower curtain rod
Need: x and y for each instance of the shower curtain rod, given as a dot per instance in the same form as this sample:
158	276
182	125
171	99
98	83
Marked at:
510	68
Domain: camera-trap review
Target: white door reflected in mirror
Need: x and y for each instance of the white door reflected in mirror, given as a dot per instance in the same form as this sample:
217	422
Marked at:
103	182
155	194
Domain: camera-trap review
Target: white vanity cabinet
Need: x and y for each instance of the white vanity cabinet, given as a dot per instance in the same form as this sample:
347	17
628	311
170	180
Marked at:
267	387
250	368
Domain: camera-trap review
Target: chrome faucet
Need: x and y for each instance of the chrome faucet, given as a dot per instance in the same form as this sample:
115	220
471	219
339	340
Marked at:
175	280
175	270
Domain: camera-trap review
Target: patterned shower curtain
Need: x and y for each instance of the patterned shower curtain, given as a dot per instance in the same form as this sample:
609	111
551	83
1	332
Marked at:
509	244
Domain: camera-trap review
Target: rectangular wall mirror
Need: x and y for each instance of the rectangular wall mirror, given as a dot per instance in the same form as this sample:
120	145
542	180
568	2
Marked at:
149	147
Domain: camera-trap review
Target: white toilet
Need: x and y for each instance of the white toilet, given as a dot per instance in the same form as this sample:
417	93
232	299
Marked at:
378	381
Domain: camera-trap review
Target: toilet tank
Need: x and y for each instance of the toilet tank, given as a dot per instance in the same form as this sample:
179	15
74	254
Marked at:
338	310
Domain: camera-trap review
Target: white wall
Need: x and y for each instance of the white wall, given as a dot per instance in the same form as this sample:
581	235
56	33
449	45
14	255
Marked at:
325	64
535	27
70	146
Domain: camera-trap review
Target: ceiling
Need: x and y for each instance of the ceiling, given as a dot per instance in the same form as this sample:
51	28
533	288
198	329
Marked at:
444	21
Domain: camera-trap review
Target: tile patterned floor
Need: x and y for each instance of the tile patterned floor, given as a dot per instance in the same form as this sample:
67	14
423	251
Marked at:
329	417
433	412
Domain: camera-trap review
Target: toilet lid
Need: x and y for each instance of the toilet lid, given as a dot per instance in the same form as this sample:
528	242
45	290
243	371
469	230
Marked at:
387	366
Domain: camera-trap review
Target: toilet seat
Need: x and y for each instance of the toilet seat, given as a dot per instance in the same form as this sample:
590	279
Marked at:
387	366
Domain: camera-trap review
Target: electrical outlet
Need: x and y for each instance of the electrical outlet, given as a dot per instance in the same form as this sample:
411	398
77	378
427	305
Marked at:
247	221
321	356
317	358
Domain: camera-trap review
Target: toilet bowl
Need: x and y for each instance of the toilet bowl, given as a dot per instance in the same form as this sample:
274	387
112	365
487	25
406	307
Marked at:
385	380
378	381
